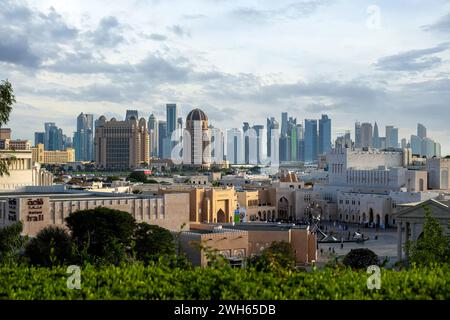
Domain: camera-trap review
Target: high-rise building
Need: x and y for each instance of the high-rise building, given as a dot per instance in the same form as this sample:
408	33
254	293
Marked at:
132	114
376	137
153	135
344	140
235	146
300	143
416	145
404	143
217	145
171	118
391	137
247	132
272	127
39	137
121	145
284	123
311	140
197	140
84	138
324	134
428	148
259	142
162	135
421	131
358	141
366	135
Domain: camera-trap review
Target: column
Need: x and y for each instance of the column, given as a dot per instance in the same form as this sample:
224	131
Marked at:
399	240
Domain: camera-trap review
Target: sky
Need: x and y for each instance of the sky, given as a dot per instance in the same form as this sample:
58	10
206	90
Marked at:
240	61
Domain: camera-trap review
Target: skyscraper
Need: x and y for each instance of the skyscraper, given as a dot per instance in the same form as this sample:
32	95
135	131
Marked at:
376	137
162	134
234	146
84	138
171	118
391	137
284	123
421	131
311	140
416	145
259	142
358	141
197	140
324	134
246	131
272	127
131	114
366	135
121	144
153	135
39	137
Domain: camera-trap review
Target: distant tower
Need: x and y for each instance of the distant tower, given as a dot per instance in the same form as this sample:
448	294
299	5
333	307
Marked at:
197	140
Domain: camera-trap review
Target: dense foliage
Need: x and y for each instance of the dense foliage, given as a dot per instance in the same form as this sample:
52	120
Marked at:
360	258
155	281
152	241
279	255
11	242
51	246
102	232
433	246
7	101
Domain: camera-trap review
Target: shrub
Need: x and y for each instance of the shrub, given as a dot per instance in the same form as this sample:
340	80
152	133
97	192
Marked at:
152	241
51	246
279	255
103	234
360	259
11	242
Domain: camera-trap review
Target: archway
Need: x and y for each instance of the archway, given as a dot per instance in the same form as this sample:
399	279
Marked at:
221	216
378	219
371	215
386	221
364	218
421	185
283	208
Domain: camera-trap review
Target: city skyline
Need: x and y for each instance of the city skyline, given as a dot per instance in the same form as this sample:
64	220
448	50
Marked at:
89	57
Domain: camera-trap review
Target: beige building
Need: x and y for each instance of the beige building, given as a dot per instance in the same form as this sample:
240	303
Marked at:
38	210
237	242
208	205
411	220
438	173
40	155
257	204
8	144
121	144
22	171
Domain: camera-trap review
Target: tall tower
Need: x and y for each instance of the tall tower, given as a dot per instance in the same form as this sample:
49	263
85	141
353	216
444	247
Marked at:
358	141
311	140
84	138
197	140
153	134
376	137
324	134
366	135
421	131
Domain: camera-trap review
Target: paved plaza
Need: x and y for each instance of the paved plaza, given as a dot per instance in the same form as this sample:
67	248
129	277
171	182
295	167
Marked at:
385	246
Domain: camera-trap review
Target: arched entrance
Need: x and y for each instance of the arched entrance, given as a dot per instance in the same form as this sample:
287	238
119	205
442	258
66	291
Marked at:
378	220
386	221
283	208
221	216
364	218
371	215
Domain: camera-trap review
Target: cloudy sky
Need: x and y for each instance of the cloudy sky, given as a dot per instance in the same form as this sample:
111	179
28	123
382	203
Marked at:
380	60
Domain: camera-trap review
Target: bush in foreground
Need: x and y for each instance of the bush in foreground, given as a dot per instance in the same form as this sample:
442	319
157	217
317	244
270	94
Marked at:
156	281
360	259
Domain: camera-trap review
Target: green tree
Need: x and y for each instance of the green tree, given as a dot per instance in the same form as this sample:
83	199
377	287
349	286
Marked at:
152	241
11	242
360	258
7	100
104	234
51	246
137	176
278	256
432	246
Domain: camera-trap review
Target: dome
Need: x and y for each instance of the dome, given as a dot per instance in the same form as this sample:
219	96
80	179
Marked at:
196	115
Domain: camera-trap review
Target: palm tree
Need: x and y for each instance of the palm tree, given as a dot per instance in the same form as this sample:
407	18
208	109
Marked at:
7	100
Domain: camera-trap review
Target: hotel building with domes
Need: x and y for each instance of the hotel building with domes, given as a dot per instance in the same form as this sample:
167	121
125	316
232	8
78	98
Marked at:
197	140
